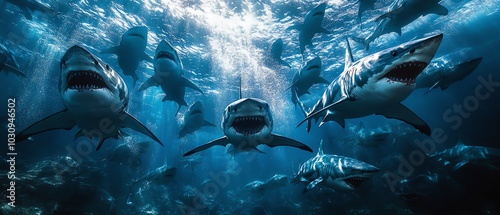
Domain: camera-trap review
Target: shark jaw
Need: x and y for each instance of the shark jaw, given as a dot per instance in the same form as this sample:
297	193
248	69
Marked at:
247	118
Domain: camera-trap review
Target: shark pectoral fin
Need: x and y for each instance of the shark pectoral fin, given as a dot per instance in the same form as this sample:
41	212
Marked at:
190	84
401	112
146	57
149	83
16	71
58	120
398	31
207	123
391	14
296	27
321	80
439	10
223	141
131	122
111	50
433	86
313	184
311	115
277	140
335	117
324	31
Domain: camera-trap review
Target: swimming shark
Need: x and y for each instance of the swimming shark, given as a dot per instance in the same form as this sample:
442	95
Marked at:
29	6
247	123
8	63
307	76
444	77
275	53
130	52
400	14
336	172
365	5
194	120
310	26
376	84
169	75
460	154
95	97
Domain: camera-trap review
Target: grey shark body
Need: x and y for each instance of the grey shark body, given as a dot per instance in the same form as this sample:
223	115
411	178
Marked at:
8	63
169	75
130	52
306	77
311	26
95	97
377	84
260	187
336	172
400	14
194	120
461	154
274	54
30	6
247	123
444	77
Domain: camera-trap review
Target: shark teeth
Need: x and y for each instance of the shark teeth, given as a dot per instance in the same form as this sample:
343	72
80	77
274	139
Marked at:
85	80
164	54
249	125
355	182
406	73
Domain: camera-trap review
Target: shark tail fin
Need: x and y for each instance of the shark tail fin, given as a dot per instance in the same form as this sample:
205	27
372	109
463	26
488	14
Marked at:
303	108
364	42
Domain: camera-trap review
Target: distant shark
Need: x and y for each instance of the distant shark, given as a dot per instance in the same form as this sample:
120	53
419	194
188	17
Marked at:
95	98
307	76
246	124
402	13
376	84
169	75
8	63
336	172
310	26
29	6
194	120
130	52
275	52
461	154
444	77
365	5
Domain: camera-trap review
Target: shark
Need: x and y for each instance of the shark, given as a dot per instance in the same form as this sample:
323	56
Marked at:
339	173
29	6
8	63
247	123
376	84
169	75
275	52
365	5
460	154
444	77
401	14
131	50
95	99
194	120
310	26
306	77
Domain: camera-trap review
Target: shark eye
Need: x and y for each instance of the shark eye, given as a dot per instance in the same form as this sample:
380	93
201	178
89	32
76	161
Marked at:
260	107
235	109
96	63
107	67
412	51
394	53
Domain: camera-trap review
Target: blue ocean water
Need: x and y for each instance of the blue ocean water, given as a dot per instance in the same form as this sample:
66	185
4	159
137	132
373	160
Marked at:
219	42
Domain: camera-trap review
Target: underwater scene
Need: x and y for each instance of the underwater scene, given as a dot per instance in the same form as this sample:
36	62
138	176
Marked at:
254	107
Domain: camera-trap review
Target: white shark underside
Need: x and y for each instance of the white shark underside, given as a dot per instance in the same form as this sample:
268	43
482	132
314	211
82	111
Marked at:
310	26
194	120
306	77
376	84
95	98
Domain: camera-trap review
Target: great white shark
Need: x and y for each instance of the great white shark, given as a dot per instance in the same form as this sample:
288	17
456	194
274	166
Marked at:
376	84
306	77
336	172
444	77
130	52
169	75
400	14
194	120
310	26
95	97
8	63
29	6
247	123
274	54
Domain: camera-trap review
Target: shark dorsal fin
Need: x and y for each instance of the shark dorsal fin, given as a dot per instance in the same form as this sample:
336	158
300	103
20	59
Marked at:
320	150
240	96
348	54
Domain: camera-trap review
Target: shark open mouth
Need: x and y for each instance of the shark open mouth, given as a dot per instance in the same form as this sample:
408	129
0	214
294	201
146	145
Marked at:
406	72
355	182
410	197
249	125
85	80
138	35
164	54
314	67
196	112
319	13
